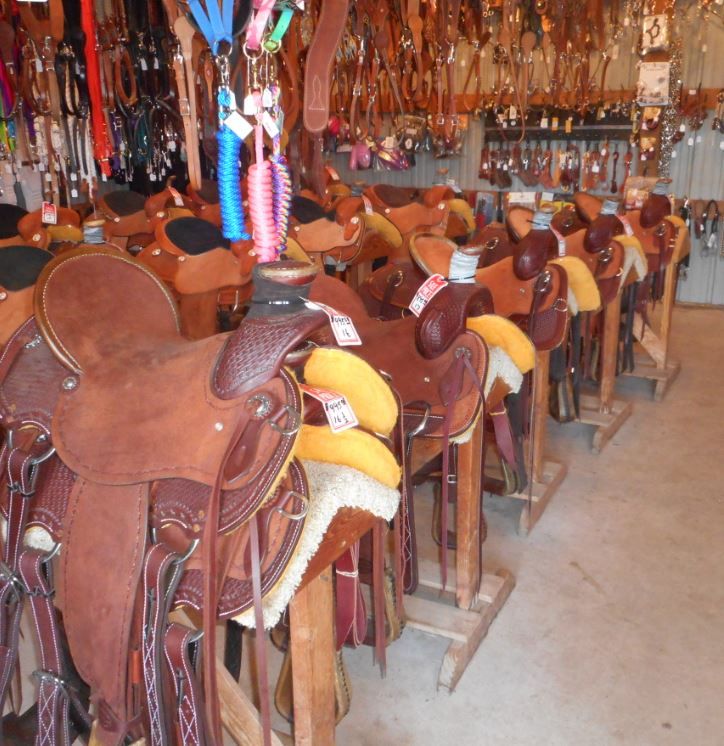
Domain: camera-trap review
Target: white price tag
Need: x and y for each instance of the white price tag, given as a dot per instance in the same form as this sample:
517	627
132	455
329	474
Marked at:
143	64
547	197
337	409
367	205
561	242
49	213
343	327
74	176
238	125
426	292
628	230
690	142
177	198
269	125
48	177
595	168
74	193
249	107
41	167
267	100
544	123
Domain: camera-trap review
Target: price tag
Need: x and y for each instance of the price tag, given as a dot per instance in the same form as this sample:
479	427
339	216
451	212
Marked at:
690	142
544	123
569	125
267	99
426	292
74	176
547	197
367	205
269	125
333	173
41	167
249	108
554	123
177	198
337	409
595	168
343	327
628	230
512	113
561	241
49	213
144	65
48	177
74	193
238	125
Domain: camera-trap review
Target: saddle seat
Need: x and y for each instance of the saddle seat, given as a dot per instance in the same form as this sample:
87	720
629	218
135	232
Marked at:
138	378
19	270
10	216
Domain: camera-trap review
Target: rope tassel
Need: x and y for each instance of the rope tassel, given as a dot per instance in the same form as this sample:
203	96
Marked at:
232	209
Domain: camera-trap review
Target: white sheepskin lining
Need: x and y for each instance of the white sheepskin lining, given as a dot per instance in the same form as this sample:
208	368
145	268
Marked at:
633	258
331	488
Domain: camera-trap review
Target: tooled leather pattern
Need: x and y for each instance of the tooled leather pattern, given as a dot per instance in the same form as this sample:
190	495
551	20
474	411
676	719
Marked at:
444	318
184	502
237	593
50	502
32	385
256	351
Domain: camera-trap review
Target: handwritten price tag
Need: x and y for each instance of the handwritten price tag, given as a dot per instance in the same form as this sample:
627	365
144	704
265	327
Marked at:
339	413
343	328
49	213
426	292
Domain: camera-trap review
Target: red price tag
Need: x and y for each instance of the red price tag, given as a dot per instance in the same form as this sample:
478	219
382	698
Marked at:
426	292
339	413
343	328
561	241
177	198
49	213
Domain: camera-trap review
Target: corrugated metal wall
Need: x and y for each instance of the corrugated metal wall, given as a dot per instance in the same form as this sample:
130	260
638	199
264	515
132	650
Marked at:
696	169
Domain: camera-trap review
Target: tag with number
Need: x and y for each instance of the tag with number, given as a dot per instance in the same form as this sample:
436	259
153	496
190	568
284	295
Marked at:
343	327
49	213
561	242
177	198
337	409
426	292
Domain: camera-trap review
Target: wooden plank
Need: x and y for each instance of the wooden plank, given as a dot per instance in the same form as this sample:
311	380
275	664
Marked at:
313	645
95	741
469	498
539	495
667	311
649	341
609	351
540	413
459	654
440	619
238	715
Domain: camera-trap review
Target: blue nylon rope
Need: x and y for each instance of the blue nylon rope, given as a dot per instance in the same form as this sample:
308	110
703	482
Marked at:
232	210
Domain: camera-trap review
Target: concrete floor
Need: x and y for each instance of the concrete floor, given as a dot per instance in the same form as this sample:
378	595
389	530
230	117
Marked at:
614	633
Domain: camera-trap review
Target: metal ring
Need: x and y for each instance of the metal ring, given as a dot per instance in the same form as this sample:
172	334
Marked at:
296	419
302	513
423	422
187	554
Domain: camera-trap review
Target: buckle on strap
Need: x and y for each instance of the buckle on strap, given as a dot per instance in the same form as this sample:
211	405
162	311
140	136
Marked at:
48	677
13	578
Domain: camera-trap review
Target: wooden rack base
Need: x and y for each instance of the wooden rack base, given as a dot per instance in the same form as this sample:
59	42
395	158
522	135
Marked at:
539	493
663	376
607	420
434	611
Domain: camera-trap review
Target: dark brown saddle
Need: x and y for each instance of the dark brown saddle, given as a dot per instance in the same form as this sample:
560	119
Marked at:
194	439
125	215
10	216
439	369
594	245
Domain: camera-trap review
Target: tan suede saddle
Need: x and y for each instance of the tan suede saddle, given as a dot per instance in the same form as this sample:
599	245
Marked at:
194	439
194	259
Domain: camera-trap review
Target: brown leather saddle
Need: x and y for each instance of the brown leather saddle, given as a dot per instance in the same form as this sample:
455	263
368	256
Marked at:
193	439
438	368
594	245
126	218
411	210
194	259
205	201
